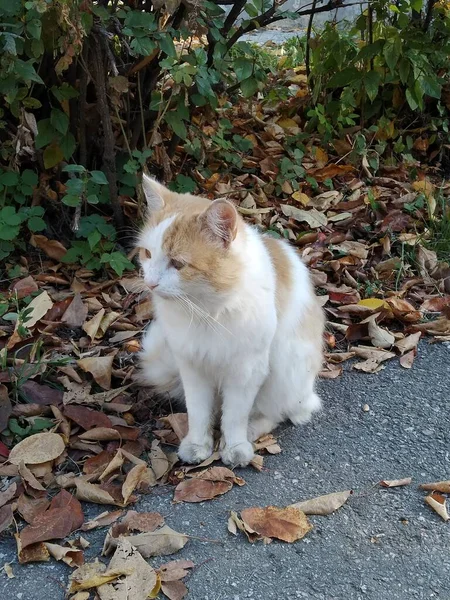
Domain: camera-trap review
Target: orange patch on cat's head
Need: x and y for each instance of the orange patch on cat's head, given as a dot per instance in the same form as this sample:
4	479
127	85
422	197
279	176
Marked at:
203	244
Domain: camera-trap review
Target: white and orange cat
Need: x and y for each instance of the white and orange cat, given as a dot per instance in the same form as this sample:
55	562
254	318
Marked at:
237	329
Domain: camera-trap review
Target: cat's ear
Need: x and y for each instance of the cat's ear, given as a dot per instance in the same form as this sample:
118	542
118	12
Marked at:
220	220
153	192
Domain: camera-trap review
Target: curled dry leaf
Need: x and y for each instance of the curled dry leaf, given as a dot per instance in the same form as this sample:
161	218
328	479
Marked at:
103	520
179	423
323	505
162	542
158	459
437	486
33	553
287	524
71	556
38	307
90	492
62	517
133	480
389	483
380	338
438	503
115	464
100	367
38	448
407	359
91	327
199	490
29	480
52	248
139	583
100	434
408	343
92	575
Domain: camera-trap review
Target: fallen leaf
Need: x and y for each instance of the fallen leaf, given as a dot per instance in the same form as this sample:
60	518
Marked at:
5	407
199	490
86	417
437	486
37	309
162	542
38	448
33	553
323	505
175	569
76	313
29	508
287	524
90	492
6	517
8	570
143	522
91	327
63	516
103	520
92	575
174	590
101	434
8	494
438	504
313	217
179	423
25	287
71	556
158	459
140	582
113	466
100	367
389	483
29	480
435	304
381	338
330	171
52	248
132	481
41	394
374	303
406	360
408	343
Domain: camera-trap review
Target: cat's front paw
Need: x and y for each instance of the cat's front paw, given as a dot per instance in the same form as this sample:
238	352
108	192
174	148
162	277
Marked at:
190	452
238	455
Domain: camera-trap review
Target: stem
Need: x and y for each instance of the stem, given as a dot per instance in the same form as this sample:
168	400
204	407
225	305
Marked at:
308	38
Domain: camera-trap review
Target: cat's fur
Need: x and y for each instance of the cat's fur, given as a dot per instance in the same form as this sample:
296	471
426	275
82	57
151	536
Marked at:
238	329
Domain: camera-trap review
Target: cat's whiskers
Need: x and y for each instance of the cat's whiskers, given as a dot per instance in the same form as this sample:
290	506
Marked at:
207	318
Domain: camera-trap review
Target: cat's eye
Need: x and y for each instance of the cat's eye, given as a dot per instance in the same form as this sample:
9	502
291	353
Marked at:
145	253
176	264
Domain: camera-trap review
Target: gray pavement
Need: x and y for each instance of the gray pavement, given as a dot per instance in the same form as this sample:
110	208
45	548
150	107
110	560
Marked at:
384	544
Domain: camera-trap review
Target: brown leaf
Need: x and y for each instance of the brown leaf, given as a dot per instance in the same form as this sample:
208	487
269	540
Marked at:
179	423
174	590
71	556
437	502
5	407
221	473
313	217
330	171
143	522
404	310
175	569
103	520
76	313
29	508
437	486
158	459
408	343
25	287
33	553
389	483
199	490
90	492
64	516
97	463
162	542
330	371
381	338
92	575
38	448
86	417
323	505
29	480
6	517
52	248
100	368
435	304
132	481
101	434
407	359
8	494
115	464
140	582
91	327
287	524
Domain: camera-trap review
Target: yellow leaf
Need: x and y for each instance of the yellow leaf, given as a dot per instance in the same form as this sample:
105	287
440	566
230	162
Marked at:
300	197
53	155
374	303
287	123
321	157
282	61
423	186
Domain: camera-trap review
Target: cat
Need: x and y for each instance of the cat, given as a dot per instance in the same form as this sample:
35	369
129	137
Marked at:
238	329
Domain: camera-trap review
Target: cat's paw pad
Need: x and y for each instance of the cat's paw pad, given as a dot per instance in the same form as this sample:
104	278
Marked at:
190	452
238	455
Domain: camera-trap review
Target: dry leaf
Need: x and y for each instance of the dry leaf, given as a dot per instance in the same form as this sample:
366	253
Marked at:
38	307
52	248
381	338
437	486
91	327
71	556
103	520
389	483
408	343
179	423
8	570
287	524
38	448
407	359
86	417
159	461
92	575
29	480
162	542
438	504
29	508
5	407
132	481
199	490
100	367
33	553
115	464
64	516
76	313
313	217
141	581
6	517
174	590
89	492
143	522
323	505
8	494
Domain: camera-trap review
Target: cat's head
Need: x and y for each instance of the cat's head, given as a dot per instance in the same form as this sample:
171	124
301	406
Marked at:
188	246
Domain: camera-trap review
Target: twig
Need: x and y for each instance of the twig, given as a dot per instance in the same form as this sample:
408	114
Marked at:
141	109
308	38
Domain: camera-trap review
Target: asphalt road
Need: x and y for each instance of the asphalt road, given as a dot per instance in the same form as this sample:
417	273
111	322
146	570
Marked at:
385	543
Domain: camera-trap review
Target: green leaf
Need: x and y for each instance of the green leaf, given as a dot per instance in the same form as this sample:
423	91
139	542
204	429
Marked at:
371	50
26	71
34	28
64	92
392	51
118	262
94	238
345	77
39	424
9	178
431	86
53	155
371	83
9	216
176	123
8	233
404	68
46	133
70	200
59	120
167	46
143	46
68	145
74	169
36	224
413	104
29	177
249	87
99	177
31	103
92	199
243	68
75	186
416	5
